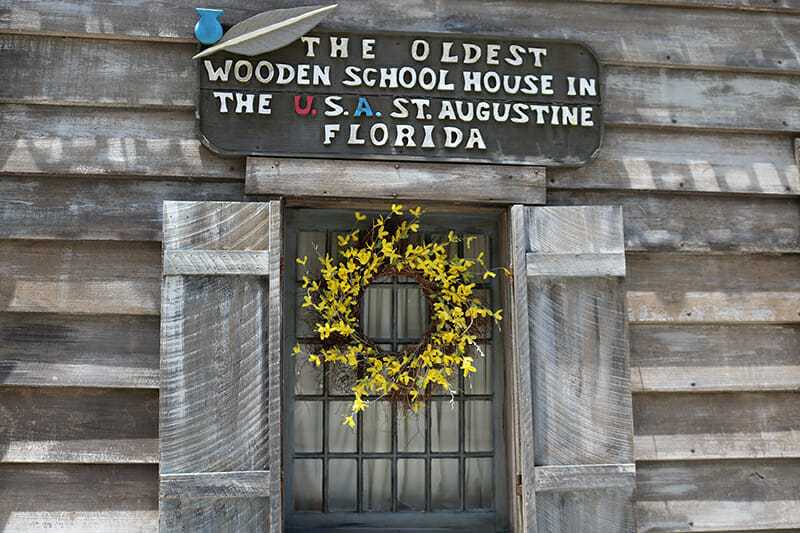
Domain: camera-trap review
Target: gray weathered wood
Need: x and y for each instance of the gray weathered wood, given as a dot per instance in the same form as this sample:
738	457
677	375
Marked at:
79	277
585	477
105	75
681	160
634	33
96	209
65	141
275	354
716	379
216	226
90	351
701	99
635	95
247	484
67	425
580	388
577	264
714	358
733	495
521	353
78	498
688	223
736	425
689	288
106	141
216	262
390	180
779	6
218	343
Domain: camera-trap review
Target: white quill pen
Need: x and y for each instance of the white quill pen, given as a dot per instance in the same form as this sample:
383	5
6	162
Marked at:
269	31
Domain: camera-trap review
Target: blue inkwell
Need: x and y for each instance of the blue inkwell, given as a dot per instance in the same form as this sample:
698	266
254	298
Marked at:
208	30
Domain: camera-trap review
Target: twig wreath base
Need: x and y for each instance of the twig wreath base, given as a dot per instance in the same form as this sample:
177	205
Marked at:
411	375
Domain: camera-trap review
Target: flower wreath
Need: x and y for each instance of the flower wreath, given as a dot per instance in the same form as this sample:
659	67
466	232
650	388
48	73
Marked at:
410	375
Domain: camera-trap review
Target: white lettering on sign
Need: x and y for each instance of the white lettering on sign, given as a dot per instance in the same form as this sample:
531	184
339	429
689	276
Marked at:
457	94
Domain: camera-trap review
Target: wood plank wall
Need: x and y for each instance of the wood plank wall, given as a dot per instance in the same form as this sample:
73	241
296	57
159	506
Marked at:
703	104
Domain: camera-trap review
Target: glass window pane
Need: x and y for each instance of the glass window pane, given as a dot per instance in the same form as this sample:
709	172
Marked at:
412	307
411	430
377	485
341	437
444	484
478	420
376	312
480	381
478	478
310	244
341	379
308	485
304	318
411	484
377	427
308	426
477	244
342	485
307	375
444	426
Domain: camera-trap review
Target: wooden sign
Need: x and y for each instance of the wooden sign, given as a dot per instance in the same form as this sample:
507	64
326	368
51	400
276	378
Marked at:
406	96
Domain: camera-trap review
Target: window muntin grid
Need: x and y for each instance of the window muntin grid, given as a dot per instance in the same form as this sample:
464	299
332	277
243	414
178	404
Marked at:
393	467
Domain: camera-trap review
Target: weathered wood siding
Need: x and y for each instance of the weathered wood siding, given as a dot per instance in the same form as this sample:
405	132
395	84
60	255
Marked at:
703	104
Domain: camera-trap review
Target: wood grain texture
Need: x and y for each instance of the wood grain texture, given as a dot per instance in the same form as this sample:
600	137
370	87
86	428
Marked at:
106	75
634	95
701	99
68	425
78	498
735	425
216	349
201	485
590	510
64	141
216	226
585	477
275	355
213	375
523	364
631	33
777	6
579	358
714	358
395	181
698	288
734	495
73	351
76	277
683	160
96	209
697	223
216	262
512	399
577	264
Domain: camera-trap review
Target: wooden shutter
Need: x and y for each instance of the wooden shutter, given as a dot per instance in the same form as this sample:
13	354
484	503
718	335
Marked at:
220	368
576	428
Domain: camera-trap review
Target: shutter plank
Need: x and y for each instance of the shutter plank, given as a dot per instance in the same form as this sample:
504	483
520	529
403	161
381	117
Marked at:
218	467
585	477
216	485
579	371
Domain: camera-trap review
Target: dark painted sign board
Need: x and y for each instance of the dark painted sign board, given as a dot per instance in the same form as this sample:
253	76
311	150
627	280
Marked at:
406	96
